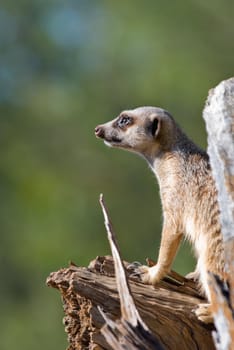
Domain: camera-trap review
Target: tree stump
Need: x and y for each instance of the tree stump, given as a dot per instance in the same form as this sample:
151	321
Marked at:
166	309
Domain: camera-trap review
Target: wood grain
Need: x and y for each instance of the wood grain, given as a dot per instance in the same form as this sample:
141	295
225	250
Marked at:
166	309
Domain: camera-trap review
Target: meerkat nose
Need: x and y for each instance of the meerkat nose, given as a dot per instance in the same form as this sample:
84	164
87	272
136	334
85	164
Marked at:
99	131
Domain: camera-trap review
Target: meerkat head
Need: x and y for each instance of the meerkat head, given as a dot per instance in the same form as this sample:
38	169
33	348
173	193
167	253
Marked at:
144	130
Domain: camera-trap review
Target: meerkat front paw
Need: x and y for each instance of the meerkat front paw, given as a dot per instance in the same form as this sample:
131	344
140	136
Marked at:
148	275
204	313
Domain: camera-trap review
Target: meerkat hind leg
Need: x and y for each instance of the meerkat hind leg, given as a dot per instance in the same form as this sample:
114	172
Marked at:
194	276
204	313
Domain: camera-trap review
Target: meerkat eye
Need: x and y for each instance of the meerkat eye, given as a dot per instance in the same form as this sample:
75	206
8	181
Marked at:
124	120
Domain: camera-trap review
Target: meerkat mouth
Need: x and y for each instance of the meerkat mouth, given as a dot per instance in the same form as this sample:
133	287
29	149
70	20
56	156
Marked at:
116	139
113	141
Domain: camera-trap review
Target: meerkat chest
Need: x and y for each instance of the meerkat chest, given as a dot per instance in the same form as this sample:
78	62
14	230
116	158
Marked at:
180	196
182	209
191	230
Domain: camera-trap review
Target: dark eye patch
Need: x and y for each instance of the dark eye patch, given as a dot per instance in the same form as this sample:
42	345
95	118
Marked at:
123	121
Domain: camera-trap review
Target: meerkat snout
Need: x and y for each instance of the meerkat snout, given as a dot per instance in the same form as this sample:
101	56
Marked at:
99	132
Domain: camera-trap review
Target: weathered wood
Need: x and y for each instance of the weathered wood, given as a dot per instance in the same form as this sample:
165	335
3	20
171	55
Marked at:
166	309
223	315
219	118
130	332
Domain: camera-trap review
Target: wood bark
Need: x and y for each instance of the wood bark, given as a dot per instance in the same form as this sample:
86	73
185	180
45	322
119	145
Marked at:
219	118
166	309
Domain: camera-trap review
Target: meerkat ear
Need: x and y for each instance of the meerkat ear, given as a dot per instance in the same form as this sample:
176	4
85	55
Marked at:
155	126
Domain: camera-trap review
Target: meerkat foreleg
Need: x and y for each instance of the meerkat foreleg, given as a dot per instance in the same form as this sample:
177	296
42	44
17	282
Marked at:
169	245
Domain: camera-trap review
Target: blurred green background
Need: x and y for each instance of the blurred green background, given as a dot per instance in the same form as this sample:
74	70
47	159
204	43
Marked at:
66	66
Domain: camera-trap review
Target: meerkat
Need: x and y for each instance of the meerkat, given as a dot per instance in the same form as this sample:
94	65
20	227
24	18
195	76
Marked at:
187	190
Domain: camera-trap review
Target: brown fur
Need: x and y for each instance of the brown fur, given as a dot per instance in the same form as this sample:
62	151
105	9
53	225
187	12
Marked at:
187	189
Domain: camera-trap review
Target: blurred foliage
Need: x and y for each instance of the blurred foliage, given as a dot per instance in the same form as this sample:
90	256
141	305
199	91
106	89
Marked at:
66	66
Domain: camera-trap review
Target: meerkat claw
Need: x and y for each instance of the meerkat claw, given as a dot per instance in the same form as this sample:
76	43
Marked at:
134	270
137	270
133	266
136	275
